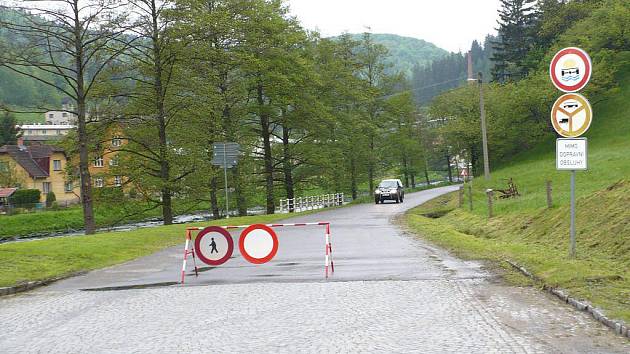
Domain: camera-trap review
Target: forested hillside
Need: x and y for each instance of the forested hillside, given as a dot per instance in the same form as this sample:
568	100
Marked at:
19	90
451	71
405	53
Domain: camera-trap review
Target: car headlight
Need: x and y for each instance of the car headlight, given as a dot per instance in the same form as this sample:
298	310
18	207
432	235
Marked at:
393	190
378	191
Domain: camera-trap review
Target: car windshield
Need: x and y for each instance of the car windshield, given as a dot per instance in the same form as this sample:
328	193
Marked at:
388	184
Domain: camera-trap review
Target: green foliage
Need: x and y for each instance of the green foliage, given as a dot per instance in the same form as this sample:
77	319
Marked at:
517	24
9	133
518	111
451	71
50	199
25	198
405	53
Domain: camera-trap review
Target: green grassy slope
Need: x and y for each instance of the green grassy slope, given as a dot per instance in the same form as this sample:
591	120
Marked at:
524	230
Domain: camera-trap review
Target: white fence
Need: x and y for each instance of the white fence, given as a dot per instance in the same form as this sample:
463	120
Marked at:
310	203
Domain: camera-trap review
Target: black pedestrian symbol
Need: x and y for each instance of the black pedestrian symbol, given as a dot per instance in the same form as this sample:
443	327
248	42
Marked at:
214	247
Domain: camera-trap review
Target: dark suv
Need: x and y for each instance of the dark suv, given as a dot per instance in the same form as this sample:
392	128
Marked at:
389	189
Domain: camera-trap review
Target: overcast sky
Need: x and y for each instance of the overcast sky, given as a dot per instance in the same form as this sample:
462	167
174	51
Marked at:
449	24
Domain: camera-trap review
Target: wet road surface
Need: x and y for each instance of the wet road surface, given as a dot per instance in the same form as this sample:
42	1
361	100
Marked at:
390	293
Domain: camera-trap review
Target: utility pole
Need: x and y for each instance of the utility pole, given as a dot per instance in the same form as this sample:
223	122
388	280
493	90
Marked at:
484	134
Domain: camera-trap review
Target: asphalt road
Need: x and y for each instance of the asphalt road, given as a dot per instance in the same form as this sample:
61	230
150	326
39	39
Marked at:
391	292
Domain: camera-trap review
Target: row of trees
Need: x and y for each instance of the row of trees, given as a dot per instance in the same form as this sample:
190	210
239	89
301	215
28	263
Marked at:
173	77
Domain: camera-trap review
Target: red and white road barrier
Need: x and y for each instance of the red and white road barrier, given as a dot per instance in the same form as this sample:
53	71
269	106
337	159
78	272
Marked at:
191	247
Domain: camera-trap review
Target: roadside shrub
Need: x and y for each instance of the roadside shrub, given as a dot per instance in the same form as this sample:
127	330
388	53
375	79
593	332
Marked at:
109	195
50	199
25	198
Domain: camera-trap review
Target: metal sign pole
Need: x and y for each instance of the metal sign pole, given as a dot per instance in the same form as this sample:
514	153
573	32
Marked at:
227	198
572	250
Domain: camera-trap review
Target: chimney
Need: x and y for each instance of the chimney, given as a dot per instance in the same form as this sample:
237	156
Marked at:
471	79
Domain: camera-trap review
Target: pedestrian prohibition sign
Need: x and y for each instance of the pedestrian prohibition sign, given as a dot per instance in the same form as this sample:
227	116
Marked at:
570	69
214	245
258	244
571	115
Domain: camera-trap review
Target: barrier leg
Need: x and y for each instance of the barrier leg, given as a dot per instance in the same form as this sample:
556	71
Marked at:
332	263
185	255
327	260
194	261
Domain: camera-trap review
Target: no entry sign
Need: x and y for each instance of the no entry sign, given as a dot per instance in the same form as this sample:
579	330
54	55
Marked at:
571	115
570	69
258	244
214	245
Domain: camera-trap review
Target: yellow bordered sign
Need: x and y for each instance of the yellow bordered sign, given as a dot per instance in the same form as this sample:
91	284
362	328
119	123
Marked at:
571	115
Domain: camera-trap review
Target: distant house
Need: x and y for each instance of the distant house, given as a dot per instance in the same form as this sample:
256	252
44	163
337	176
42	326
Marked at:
65	116
41	167
5	193
44	132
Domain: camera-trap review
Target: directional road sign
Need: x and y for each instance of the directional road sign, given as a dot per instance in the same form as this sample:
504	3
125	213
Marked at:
214	245
570	69
258	244
571	154
571	115
225	154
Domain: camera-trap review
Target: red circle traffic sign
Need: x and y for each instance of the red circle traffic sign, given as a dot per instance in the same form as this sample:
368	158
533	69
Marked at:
258	244
206	240
570	69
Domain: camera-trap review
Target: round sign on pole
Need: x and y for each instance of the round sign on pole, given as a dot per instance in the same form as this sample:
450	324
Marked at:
571	115
258	244
214	245
570	69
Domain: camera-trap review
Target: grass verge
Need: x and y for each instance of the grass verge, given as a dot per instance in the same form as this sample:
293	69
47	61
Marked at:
538	242
53	257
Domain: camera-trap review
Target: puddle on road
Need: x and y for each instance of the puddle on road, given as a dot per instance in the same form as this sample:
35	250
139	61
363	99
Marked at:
131	287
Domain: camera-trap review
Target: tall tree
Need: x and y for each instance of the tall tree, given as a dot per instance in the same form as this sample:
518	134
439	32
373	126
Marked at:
9	132
517	25
157	99
68	45
372	57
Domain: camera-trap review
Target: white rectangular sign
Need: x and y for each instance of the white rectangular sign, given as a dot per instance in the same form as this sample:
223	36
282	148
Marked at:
571	154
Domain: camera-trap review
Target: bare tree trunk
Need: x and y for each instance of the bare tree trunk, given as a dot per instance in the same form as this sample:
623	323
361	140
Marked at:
353	178
86	181
239	194
371	164
167	207
405	170
286	165
214	203
268	158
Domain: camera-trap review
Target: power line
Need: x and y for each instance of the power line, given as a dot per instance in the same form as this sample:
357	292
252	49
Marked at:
424	87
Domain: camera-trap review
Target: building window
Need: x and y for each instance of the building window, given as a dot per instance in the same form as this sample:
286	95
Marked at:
64	114
46	187
113	161
56	165
68	187
44	132
117	181
58	132
99	182
116	142
98	162
51	115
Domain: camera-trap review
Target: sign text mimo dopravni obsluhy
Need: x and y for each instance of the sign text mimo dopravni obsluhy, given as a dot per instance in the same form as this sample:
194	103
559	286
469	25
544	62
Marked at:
571	154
